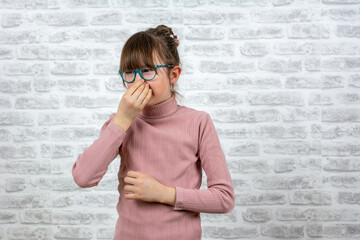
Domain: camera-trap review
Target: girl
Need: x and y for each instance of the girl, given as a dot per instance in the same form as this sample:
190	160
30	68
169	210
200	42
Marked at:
163	147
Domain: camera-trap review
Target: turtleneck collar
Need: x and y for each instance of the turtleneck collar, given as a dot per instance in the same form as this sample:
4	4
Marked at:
159	110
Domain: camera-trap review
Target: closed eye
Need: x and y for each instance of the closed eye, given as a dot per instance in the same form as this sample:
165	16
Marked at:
147	70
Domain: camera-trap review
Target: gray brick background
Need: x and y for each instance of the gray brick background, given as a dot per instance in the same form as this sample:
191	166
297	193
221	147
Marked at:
280	79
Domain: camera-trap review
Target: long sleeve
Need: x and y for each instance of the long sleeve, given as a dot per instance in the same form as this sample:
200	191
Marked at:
92	164
219	197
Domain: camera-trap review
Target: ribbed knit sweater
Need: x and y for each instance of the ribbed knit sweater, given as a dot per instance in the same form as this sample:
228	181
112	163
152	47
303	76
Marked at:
172	143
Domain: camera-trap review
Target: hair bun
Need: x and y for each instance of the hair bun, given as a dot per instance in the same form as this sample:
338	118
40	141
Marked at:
169	31
175	39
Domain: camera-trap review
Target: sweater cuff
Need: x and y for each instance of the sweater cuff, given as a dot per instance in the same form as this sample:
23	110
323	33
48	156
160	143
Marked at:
116	128
179	198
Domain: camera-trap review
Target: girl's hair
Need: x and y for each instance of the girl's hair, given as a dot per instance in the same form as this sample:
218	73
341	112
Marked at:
142	47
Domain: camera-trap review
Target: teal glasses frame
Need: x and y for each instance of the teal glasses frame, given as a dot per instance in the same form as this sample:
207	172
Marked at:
139	72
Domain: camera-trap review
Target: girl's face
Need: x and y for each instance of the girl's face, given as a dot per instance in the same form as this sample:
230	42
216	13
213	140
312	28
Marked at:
160	84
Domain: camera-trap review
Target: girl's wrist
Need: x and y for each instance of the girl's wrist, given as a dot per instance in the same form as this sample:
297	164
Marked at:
123	123
168	196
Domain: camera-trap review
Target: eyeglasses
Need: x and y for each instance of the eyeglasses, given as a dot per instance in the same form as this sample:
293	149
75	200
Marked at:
145	73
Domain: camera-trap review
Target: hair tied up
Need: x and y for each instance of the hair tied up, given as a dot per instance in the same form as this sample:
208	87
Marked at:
165	30
175	39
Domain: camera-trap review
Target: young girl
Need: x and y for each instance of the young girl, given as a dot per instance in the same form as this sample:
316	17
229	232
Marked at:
163	147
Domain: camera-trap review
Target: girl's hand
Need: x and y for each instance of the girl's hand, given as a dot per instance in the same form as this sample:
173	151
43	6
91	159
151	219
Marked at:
134	100
143	187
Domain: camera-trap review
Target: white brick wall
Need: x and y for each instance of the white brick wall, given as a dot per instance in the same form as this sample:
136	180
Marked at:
280	78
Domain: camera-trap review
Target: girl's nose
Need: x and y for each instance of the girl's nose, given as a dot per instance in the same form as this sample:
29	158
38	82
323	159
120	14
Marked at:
136	80
138	77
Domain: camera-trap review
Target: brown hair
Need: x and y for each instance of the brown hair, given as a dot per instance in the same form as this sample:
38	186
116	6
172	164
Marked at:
141	48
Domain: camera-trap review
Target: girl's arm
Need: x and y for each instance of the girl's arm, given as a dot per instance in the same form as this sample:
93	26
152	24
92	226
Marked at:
219	197
92	164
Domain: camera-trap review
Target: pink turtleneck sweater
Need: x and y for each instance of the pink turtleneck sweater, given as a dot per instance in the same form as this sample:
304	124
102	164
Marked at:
172	143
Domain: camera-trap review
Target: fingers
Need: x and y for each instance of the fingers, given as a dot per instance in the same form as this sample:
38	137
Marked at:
144	94
132	89
147	98
133	173
130	180
139	91
130	196
130	188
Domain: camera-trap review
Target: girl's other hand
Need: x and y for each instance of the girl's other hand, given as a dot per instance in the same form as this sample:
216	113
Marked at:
143	187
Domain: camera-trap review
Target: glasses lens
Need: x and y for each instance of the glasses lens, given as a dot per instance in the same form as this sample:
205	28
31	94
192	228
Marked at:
128	76
148	73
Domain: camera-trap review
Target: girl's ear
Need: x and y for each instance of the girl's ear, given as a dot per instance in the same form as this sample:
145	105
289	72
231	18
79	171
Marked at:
175	73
